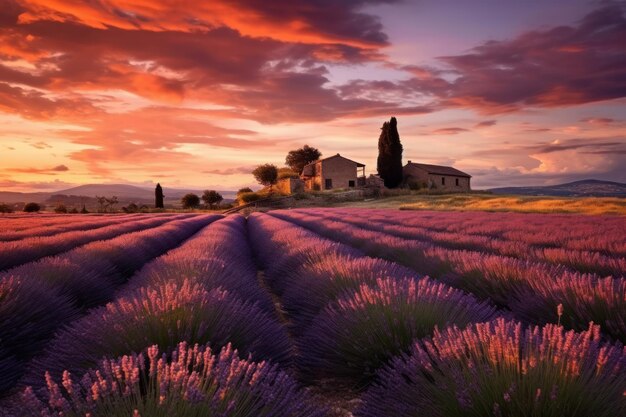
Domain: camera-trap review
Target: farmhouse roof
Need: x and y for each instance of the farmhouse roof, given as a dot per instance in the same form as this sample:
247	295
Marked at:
308	168
440	170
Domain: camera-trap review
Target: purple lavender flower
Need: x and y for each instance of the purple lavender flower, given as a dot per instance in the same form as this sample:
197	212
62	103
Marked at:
191	381
503	366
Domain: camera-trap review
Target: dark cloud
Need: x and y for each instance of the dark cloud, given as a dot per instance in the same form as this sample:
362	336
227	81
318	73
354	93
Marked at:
46	171
485	123
230	171
566	65
449	131
601	121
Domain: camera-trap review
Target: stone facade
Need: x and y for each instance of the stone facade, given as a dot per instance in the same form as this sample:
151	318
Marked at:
436	177
290	185
331	173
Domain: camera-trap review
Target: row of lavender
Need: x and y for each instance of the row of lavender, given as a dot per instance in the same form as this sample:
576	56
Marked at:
192	333
530	290
557	251
37	298
373	324
33	227
351	313
568	231
29	249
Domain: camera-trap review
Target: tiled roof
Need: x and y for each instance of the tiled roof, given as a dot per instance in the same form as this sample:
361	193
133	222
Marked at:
440	170
308	169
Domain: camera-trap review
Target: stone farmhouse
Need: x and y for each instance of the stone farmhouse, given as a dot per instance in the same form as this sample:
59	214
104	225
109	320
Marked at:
333	172
436	176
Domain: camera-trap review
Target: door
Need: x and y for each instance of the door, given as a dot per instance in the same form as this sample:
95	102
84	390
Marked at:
328	183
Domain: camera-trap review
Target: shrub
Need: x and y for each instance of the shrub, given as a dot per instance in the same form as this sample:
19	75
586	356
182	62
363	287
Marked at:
30	312
60	209
73	210
84	210
212	198
32	207
194	382
358	334
503	369
5	208
131	208
190	201
244	190
164	315
246	198
287	173
317	283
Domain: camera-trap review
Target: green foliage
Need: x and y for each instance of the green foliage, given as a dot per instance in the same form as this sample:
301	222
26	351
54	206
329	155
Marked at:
212	198
73	210
266	174
389	162
84	210
246	198
287	173
32	207
244	190
298	158
190	201
5	208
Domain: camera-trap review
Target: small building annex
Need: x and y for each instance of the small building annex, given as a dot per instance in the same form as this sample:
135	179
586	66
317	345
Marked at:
436	176
333	172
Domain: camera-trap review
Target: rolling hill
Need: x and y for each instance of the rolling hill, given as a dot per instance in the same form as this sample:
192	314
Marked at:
125	193
583	188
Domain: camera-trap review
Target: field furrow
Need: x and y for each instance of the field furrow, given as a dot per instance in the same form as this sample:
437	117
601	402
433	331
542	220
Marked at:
30	249
38	298
313	313
531	290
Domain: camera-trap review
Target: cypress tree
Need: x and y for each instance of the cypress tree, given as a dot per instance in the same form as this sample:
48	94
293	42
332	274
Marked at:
158	196
389	162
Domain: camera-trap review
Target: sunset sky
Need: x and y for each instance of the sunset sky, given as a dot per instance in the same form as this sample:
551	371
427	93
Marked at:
195	94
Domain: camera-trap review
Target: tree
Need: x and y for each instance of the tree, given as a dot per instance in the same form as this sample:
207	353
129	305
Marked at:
110	203
84	210
244	190
211	197
190	201
298	158
102	203
60	209
158	196
266	174
390	154
32	207
5	208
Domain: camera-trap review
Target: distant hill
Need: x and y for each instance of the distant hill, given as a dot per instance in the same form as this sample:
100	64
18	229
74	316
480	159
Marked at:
584	188
125	193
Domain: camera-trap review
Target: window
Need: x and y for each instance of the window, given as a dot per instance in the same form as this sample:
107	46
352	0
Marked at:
457	182
443	180
328	183
351	183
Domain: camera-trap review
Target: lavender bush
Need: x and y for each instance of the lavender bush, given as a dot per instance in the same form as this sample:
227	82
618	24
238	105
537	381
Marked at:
359	333
503	369
163	315
194	382
29	314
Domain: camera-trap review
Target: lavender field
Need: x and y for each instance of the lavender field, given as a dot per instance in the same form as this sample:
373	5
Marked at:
313	313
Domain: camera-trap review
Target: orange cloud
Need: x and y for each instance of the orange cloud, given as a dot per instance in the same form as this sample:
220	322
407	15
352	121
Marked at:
290	21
